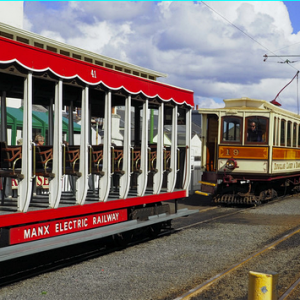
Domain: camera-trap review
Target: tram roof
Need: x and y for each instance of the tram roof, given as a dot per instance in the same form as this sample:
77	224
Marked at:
249	104
39	54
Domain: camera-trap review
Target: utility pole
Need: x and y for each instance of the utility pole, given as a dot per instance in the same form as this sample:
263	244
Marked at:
287	62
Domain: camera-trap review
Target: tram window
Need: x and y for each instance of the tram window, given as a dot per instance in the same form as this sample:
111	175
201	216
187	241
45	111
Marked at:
231	129
298	136
289	137
295	135
282	132
275	132
181	116
257	128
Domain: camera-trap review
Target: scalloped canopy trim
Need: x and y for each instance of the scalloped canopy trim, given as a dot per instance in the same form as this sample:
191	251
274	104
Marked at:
39	60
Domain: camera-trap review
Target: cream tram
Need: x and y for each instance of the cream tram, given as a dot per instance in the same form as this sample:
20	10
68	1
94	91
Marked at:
94	189
251	151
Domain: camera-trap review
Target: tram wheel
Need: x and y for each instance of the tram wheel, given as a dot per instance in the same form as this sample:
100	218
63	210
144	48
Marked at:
123	239
154	230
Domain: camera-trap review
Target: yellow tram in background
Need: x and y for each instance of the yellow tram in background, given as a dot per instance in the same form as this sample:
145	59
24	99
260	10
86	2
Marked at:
250	152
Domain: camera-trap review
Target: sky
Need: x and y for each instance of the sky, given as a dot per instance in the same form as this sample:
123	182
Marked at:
214	48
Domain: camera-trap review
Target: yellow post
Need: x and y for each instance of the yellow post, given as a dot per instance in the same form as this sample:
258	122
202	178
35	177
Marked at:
262	286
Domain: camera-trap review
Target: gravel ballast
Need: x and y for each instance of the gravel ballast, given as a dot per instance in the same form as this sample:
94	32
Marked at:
166	267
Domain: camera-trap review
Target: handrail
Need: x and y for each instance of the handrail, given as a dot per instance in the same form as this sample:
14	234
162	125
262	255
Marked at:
34	160
149	159
131	149
178	159
165	159
90	158
113	159
64	157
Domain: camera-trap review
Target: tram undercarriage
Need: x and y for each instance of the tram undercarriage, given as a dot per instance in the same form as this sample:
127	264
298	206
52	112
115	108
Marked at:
251	192
231	195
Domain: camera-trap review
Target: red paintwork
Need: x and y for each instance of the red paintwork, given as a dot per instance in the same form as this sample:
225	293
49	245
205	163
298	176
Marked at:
36	59
48	229
77	210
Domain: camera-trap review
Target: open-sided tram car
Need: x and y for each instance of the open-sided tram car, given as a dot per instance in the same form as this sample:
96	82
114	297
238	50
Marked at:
94	189
251	151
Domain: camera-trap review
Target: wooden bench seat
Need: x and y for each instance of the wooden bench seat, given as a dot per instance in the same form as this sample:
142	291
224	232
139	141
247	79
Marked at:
96	160
43	159
71	161
152	158
10	162
167	159
136	160
117	160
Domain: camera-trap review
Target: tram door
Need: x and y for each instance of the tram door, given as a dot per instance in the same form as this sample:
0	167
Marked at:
211	143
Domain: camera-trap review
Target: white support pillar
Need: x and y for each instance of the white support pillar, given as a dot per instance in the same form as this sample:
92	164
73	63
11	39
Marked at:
25	185
158	176
125	179
204	142
105	180
82	181
187	163
143	177
174	153
55	184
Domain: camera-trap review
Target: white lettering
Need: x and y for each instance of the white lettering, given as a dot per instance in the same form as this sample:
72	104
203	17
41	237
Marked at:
26	234
33	233
40	231
46	229
78	224
106	218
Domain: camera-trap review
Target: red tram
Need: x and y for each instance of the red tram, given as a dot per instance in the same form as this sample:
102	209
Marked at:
95	189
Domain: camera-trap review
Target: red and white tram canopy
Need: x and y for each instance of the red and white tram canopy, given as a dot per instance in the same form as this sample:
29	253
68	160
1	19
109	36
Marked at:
39	60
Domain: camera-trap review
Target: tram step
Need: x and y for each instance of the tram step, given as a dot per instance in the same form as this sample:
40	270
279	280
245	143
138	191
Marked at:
208	183
202	193
207	188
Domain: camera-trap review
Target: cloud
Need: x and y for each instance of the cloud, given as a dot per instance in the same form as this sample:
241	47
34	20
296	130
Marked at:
213	48
202	102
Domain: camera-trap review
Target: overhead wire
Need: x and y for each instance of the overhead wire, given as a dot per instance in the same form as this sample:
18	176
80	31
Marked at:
245	33
253	39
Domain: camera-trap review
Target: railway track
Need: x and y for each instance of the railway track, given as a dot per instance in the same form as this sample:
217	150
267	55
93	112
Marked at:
204	219
209	285
289	279
49	261
292	291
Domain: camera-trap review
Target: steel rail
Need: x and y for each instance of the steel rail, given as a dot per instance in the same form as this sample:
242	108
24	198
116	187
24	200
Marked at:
290	290
65	262
206	284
